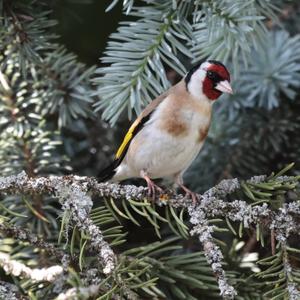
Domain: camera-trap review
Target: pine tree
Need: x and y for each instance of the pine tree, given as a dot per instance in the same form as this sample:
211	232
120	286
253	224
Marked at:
69	237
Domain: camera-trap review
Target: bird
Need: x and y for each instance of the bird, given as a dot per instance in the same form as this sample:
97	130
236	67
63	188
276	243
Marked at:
167	136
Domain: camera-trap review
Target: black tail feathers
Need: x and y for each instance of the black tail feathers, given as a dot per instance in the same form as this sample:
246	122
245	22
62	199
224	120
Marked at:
109	172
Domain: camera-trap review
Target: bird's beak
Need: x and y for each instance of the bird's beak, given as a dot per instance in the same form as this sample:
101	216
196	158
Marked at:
224	87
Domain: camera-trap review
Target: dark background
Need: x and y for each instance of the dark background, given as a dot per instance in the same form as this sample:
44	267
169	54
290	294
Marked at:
85	28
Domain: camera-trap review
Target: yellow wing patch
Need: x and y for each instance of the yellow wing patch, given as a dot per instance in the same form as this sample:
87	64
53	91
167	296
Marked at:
127	139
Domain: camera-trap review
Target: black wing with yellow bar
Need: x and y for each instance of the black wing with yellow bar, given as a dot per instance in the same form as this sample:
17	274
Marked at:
110	171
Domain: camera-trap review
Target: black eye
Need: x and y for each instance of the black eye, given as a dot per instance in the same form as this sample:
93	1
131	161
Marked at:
213	76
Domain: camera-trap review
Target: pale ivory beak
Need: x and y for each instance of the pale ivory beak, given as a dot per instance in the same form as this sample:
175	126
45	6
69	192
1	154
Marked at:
224	87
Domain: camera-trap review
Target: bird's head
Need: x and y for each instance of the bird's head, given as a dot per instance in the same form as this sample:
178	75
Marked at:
209	79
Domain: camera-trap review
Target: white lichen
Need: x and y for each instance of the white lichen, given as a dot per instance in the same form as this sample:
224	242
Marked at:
9	291
293	291
79	293
74	195
18	269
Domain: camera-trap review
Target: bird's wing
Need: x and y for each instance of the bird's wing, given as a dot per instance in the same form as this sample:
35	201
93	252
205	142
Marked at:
137	125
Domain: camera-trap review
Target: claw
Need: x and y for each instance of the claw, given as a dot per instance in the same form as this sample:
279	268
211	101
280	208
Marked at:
188	192
193	196
152	187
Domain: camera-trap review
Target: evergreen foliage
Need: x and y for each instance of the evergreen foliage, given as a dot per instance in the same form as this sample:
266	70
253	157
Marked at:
69	237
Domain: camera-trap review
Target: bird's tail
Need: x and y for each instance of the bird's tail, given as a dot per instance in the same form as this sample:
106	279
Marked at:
109	172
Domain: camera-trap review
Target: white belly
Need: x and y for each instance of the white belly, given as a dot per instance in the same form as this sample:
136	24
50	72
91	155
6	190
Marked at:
159	153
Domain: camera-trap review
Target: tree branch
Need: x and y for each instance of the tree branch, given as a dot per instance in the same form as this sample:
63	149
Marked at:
21	234
72	192
73	198
16	268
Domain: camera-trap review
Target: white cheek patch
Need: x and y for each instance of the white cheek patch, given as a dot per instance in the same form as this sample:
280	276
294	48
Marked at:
196	82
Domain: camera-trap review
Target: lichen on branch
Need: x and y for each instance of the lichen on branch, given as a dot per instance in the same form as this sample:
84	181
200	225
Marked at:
74	193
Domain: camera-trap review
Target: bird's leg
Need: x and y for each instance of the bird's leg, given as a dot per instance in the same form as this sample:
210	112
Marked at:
151	185
188	192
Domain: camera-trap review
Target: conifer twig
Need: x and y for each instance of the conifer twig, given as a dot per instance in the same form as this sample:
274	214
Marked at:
72	192
73	198
22	234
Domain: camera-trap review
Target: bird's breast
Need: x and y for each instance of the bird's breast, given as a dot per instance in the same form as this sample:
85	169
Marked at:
190	119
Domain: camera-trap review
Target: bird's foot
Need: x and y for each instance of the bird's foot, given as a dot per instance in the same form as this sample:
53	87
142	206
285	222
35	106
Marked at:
190	194
152	187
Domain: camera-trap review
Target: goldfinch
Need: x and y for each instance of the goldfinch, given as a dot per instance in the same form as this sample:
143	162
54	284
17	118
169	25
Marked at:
167	136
